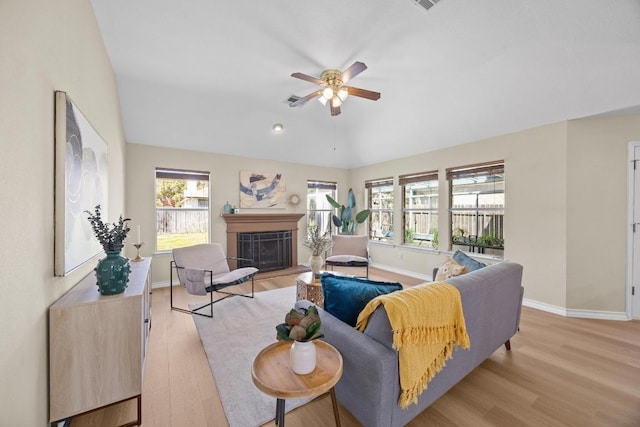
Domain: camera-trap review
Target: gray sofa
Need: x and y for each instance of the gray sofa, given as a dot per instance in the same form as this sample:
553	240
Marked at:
370	385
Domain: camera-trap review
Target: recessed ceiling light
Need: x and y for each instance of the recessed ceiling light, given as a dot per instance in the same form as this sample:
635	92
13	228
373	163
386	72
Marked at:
278	127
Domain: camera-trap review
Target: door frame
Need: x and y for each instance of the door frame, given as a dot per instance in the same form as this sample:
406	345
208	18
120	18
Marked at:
630	237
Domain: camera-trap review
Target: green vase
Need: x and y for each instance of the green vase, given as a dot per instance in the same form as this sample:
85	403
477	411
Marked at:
112	273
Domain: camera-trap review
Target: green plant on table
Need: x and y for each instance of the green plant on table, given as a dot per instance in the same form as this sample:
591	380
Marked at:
316	242
300	325
111	237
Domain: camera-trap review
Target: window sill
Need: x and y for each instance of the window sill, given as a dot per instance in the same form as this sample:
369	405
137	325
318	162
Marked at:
381	242
431	249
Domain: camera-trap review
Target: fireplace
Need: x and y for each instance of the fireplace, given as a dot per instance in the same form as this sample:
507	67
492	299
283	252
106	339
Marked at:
271	240
270	250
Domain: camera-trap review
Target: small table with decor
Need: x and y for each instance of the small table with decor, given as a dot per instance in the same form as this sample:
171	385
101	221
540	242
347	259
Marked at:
310	289
273	376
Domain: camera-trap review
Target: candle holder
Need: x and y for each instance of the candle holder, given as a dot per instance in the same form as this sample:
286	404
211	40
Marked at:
138	258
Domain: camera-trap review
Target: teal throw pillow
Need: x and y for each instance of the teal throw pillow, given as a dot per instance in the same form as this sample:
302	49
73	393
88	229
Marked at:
345	297
465	260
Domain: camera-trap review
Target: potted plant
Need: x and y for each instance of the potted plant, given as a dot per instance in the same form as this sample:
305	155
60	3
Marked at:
345	222
301	327
318	244
112	272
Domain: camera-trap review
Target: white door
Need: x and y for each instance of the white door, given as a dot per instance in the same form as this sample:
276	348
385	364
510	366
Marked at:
635	262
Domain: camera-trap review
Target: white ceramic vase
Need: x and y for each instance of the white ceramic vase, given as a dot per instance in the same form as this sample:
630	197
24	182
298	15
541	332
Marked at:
315	262
302	357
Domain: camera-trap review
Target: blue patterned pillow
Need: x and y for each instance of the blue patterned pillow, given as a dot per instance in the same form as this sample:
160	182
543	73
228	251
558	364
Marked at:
465	260
345	297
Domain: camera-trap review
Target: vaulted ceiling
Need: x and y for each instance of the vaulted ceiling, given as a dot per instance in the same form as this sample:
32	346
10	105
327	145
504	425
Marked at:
213	75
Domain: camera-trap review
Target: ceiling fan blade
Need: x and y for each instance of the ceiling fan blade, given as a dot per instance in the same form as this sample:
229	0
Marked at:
300	102
355	69
308	78
363	93
334	110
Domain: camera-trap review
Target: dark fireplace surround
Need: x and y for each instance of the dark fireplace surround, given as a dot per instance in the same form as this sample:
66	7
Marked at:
271	239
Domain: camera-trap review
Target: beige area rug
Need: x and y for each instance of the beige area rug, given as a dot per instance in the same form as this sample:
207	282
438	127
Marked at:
239	329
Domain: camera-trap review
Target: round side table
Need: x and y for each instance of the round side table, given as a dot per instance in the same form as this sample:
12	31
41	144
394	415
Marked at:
271	374
309	289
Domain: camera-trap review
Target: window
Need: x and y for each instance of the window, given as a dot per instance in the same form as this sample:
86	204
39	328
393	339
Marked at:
420	209
477	207
182	208
319	210
380	197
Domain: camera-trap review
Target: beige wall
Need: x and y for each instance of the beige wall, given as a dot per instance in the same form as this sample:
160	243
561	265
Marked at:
550	184
535	226
225	175
597	216
44	46
566	204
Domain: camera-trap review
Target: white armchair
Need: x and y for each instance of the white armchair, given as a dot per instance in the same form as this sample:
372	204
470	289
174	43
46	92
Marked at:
204	269
349	251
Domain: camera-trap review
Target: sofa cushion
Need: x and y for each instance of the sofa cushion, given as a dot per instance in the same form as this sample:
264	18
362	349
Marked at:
449	269
464	259
345	297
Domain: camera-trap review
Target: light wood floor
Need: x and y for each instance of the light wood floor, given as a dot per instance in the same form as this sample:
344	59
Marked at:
560	372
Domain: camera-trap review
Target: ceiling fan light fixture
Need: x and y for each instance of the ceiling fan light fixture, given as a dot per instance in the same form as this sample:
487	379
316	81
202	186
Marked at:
343	94
327	93
331	88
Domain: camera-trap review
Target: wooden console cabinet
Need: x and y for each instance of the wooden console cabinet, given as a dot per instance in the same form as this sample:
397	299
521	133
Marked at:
97	345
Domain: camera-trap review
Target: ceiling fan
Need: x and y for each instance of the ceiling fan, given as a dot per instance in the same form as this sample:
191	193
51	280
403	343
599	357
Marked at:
335	91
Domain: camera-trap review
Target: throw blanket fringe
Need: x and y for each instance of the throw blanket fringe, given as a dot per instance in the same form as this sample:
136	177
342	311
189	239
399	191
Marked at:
431	335
428	323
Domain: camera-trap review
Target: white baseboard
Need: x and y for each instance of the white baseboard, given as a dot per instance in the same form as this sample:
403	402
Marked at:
549	308
425	277
568	312
164	284
595	314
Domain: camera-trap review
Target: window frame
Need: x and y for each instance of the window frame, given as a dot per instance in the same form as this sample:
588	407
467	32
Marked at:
370	185
492	242
182	174
408	237
329	211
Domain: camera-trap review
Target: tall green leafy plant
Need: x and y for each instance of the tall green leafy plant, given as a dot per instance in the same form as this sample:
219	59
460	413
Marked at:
345	221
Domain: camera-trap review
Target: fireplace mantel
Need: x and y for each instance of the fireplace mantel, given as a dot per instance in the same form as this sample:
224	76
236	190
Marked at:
255	223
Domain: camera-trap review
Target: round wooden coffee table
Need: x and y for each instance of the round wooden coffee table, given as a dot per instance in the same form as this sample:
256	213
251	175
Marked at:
273	376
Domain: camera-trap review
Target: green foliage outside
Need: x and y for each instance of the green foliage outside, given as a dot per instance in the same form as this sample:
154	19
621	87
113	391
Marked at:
408	235
166	242
170	192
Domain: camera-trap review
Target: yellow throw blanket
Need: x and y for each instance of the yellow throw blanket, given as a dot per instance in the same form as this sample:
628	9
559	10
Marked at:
427	323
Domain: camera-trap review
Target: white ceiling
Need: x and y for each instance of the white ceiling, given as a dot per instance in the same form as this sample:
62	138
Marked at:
212	75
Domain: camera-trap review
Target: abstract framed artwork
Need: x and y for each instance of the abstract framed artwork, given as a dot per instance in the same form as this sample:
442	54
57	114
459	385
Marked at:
81	183
261	190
